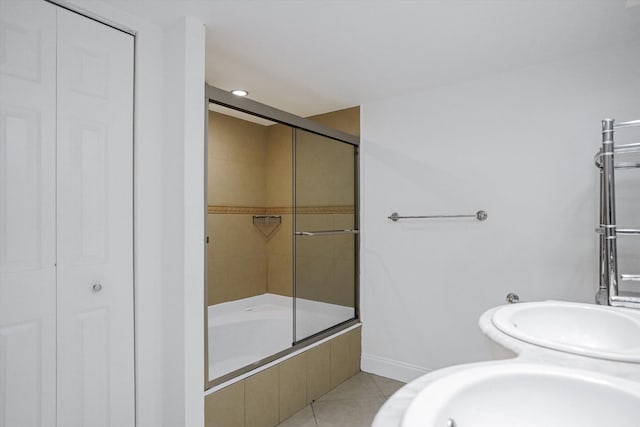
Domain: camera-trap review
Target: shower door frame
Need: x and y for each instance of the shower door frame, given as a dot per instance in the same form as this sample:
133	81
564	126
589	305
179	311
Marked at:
227	99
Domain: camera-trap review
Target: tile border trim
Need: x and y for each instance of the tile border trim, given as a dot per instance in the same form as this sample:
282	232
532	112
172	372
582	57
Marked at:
279	210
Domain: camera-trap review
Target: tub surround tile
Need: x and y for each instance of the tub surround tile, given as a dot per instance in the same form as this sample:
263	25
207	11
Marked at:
319	371
313	274
346	120
279	269
340	363
236	259
244	275
280	393
293	385
237	149
355	350
279	167
225	407
314	221
303	418
261	399
325	161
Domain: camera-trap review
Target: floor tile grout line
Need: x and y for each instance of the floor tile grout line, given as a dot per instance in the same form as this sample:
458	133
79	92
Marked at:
313	411
380	396
384	396
380	388
376	388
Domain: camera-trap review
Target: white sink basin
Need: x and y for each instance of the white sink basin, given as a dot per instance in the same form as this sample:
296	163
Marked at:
525	395
589	330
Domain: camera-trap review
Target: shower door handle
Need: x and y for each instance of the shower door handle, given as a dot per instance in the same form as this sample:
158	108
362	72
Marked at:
326	233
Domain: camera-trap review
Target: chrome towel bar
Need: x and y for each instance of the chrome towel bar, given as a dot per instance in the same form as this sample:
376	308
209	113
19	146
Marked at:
325	233
480	216
621	149
619	231
627	124
628	231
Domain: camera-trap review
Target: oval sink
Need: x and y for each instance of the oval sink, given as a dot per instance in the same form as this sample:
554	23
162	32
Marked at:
525	395
589	330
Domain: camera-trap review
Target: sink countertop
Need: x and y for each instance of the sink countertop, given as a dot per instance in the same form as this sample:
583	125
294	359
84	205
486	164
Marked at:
391	413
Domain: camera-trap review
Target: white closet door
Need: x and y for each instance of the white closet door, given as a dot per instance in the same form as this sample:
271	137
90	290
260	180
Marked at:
27	214
95	224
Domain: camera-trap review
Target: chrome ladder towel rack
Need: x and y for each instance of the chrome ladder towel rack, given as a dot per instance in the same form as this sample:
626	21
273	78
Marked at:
632	123
608	291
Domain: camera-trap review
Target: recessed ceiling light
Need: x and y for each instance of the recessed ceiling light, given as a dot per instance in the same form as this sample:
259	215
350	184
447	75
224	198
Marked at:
240	92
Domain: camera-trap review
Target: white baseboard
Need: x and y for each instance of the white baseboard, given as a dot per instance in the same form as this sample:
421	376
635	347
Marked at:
390	368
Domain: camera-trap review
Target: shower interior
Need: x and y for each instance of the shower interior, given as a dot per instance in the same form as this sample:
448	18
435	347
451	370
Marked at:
282	238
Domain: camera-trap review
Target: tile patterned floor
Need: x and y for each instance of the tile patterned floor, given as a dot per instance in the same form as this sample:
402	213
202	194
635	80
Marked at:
353	403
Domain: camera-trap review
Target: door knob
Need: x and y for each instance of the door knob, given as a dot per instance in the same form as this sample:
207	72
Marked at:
97	287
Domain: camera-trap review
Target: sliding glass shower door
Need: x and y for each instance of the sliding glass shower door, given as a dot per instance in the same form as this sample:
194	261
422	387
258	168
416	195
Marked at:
325	233
281	232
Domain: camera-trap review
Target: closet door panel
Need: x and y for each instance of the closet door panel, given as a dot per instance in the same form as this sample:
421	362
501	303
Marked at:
95	224
27	214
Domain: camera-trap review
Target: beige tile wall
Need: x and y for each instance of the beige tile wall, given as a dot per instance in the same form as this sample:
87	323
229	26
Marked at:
293	375
278	166
237	150
237	266
251	165
346	120
279	186
261	399
324	171
280	259
237	251
271	396
319	371
325	271
225	407
325	265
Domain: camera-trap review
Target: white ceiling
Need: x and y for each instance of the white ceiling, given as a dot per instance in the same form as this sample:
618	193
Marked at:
314	56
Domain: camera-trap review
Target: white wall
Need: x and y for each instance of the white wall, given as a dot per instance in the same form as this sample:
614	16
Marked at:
183	225
519	145
168	308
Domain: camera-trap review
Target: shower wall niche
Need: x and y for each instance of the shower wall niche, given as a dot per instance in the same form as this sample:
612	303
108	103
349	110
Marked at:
281	235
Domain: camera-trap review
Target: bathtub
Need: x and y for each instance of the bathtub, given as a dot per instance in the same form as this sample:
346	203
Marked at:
245	331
